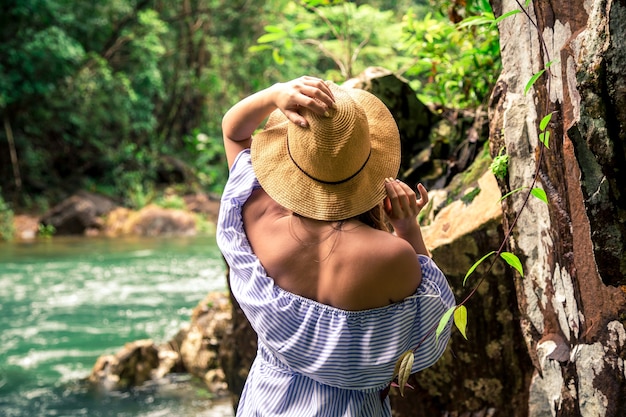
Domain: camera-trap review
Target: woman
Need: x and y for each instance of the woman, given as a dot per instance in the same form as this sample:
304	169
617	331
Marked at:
334	298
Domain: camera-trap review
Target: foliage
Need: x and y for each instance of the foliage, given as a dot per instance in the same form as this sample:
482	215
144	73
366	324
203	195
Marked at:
454	65
500	165
97	92
346	37
46	231
448	64
6	221
459	312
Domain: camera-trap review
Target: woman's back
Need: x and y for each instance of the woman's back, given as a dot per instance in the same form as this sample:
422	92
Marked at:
296	278
347	265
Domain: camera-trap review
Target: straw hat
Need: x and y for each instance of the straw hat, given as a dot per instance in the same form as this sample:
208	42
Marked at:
335	168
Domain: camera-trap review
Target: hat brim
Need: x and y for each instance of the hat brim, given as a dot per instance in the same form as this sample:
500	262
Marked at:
291	188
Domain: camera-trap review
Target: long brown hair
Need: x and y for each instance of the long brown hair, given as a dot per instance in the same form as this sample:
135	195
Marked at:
376	218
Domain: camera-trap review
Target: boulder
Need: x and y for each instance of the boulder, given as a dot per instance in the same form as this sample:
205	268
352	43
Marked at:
488	374
194	350
414	119
151	220
203	203
131	366
78	214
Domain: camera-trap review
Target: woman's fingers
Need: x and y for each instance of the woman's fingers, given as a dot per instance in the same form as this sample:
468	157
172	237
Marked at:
307	92
401	201
423	200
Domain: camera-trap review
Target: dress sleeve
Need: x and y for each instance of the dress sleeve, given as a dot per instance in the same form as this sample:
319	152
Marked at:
436	298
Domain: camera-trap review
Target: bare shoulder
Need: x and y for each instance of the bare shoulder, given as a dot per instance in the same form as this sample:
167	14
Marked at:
379	269
395	259
260	211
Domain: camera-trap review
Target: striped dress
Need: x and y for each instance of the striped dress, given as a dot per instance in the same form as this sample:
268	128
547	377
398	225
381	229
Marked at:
314	359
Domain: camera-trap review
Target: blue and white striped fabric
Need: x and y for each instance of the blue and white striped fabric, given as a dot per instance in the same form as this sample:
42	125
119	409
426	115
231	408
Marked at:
314	359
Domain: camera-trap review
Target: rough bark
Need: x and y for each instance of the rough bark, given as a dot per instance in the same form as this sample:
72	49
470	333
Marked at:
571	299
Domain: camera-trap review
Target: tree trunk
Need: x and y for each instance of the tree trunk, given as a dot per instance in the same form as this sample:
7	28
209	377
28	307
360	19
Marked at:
572	297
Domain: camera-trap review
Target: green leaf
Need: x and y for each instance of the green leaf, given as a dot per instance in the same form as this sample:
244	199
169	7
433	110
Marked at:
544	137
507	14
544	122
512	192
514	261
478	262
500	166
258	48
484	19
273	29
532	80
404	365
301	27
460	319
444	321
527	3
271	37
540	194
278	58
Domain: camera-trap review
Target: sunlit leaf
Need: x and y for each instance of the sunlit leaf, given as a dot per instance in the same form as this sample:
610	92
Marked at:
460	319
544	122
514	261
404	365
478	262
278	58
271	37
544	137
484	19
258	48
273	29
532	80
527	3
500	166
507	14
301	27
444	322
540	194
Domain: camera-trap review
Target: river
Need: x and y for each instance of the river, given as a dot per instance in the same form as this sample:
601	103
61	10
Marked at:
66	301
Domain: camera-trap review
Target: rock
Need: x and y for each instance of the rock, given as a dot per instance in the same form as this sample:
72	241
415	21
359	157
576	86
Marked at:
193	350
199	349
202	203
414	118
470	377
26	227
131	366
150	221
78	213
453	221
237	351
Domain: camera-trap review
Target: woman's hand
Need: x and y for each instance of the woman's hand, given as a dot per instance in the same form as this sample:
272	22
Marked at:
240	122
402	207
304	92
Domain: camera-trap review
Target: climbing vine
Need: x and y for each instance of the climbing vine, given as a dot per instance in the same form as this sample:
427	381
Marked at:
499	167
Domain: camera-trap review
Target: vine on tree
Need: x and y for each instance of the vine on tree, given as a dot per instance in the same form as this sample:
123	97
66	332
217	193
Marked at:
458	313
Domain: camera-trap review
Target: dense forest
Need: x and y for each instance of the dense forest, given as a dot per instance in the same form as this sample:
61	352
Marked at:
125	97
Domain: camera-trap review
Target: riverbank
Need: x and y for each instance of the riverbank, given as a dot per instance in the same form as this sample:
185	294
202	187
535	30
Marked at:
66	301
89	214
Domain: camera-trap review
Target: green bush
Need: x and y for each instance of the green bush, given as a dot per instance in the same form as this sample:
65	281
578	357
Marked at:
454	65
7	228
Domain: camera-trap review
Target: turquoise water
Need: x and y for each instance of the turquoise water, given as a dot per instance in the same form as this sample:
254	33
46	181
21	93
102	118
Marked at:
66	301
